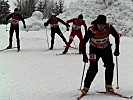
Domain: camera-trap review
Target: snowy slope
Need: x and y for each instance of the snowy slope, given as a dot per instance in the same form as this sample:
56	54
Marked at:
33	74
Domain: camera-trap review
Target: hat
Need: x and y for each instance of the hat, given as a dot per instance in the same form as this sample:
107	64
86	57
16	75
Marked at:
16	9
101	19
80	16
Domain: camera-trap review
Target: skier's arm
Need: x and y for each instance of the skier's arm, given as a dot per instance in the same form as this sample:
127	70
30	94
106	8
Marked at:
115	35
69	21
8	17
60	20
22	19
46	23
85	40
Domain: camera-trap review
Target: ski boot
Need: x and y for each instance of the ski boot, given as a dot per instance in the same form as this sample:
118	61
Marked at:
109	88
18	49
51	48
65	51
85	90
9	47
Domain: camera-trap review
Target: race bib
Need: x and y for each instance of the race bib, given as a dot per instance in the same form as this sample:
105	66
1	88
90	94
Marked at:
76	27
54	25
15	22
92	57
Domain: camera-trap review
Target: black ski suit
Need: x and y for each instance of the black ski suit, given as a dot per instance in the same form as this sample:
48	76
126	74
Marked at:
95	53
53	21
15	26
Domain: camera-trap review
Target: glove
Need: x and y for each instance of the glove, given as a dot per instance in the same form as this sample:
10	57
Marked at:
45	24
116	52
68	25
85	58
67	29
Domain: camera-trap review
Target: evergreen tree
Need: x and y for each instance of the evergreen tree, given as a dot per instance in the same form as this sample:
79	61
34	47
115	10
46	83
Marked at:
4	10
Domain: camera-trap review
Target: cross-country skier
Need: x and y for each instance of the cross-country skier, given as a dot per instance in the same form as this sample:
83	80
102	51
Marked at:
15	18
53	21
100	47
76	30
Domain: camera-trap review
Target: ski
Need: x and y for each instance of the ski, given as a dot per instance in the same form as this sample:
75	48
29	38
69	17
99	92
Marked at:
81	96
68	54
72	47
60	54
115	94
7	49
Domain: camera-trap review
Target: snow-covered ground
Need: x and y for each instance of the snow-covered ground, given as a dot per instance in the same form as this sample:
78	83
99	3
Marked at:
36	74
32	74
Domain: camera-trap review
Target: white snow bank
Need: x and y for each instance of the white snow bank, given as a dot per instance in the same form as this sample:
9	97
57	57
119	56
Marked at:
35	22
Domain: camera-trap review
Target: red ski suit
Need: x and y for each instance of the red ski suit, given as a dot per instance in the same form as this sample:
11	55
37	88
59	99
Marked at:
76	30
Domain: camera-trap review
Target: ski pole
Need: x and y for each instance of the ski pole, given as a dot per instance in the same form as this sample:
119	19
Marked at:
47	38
82	77
6	27
117	72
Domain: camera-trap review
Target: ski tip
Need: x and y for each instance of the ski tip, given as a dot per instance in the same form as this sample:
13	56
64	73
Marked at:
81	96
115	93
59	54
78	98
131	97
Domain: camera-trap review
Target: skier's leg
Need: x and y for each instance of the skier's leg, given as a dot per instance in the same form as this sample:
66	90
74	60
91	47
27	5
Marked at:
69	43
79	35
17	37
52	39
92	70
61	35
109	65
10	37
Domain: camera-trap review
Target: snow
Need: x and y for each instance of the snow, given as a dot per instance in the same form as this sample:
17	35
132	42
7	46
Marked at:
12	6
33	74
35	22
36	74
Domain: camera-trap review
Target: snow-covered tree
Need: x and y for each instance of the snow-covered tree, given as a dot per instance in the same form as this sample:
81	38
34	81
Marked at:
4	10
107	2
26	7
49	7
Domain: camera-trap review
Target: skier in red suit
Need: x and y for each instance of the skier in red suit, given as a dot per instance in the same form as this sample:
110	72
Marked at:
76	30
